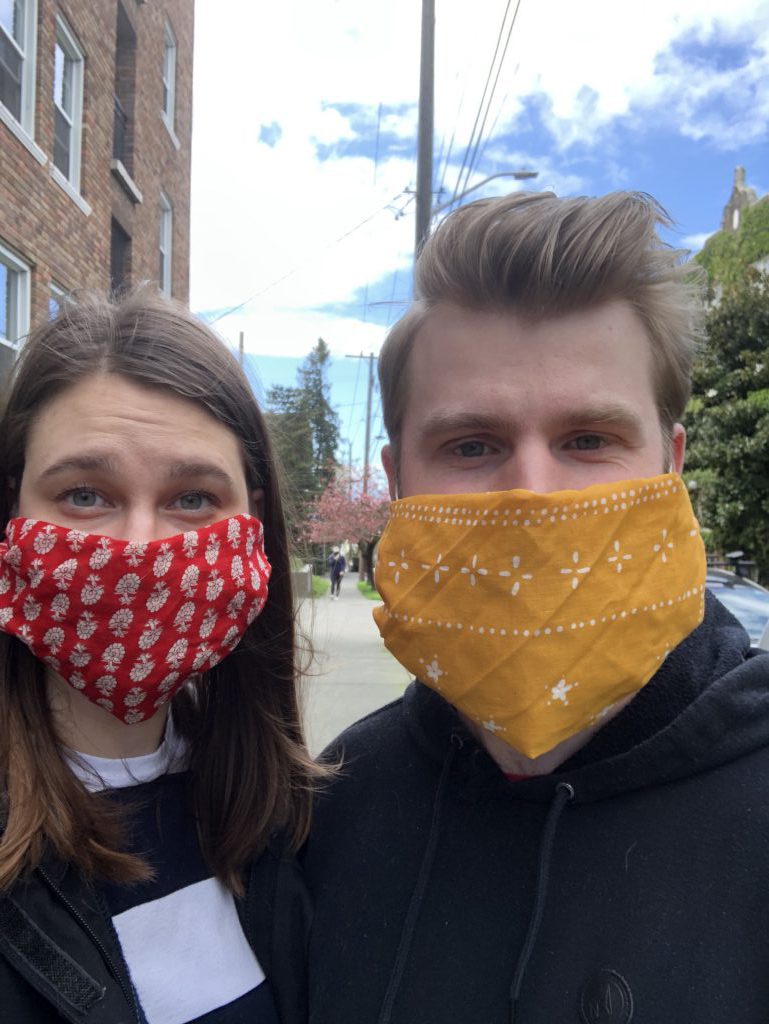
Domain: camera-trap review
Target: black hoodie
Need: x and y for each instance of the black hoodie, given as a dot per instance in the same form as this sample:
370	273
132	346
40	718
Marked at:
630	885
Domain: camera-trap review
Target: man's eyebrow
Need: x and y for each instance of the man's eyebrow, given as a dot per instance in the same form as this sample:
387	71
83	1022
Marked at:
591	414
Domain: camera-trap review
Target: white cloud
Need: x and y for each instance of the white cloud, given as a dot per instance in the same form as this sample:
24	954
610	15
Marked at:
268	220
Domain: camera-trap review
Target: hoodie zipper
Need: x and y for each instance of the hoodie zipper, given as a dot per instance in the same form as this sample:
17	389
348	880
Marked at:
129	995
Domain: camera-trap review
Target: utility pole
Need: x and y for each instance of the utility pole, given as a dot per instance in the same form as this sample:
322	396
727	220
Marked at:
424	201
367	450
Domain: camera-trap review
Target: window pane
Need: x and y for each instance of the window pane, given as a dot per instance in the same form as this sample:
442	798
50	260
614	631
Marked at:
5	299
11	65
63	72
12	19
62	135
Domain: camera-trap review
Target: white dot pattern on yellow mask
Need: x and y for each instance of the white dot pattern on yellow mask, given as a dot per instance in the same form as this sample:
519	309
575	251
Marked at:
549	608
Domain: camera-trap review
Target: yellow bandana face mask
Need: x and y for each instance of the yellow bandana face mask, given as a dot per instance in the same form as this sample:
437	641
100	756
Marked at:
534	614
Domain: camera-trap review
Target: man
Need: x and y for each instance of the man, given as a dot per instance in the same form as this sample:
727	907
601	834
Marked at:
565	818
336	570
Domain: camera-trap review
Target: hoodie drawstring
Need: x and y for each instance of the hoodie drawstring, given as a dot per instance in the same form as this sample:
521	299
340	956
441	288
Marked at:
409	925
564	792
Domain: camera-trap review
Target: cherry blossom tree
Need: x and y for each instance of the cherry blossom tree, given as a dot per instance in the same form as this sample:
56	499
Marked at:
344	512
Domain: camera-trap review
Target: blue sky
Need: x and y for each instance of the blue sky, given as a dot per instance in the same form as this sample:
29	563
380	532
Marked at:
304	146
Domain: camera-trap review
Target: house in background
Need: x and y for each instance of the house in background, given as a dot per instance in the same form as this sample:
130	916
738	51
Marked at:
95	134
741	246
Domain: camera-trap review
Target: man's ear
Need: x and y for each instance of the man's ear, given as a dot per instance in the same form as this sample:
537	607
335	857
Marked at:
388	461
678	447
256	503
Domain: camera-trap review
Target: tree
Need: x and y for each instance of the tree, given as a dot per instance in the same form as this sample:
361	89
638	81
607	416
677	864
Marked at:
728	420
305	431
344	512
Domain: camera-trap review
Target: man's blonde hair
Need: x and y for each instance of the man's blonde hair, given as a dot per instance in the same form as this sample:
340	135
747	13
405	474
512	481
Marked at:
541	256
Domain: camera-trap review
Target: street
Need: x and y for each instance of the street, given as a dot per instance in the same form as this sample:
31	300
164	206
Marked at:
351	673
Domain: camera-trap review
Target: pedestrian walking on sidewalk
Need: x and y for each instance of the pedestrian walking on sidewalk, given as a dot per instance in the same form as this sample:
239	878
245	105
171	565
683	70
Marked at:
337	566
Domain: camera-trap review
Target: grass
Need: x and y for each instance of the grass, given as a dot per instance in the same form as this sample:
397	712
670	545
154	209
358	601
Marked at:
368	591
320	585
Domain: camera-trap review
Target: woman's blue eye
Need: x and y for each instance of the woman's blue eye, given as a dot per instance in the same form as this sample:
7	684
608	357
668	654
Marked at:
191	502
83	498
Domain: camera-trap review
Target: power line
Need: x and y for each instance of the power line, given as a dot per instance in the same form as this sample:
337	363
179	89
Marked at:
309	259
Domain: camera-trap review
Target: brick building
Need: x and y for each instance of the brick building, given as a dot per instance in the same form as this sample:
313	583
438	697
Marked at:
95	131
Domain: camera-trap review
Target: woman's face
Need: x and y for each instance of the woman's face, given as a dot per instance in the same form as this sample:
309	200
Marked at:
111	457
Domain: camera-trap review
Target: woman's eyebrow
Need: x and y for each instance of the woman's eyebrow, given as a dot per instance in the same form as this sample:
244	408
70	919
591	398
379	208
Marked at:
85	463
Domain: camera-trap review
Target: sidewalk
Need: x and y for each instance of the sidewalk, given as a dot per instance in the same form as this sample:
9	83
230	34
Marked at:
352	672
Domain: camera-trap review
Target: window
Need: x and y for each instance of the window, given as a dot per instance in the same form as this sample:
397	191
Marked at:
17	60
68	104
169	77
166	234
120	258
14	306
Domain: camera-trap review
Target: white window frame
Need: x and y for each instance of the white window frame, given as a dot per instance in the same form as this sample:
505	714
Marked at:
19	312
26	120
168	108
66	41
165	244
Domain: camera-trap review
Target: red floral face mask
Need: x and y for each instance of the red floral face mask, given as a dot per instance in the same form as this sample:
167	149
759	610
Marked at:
128	623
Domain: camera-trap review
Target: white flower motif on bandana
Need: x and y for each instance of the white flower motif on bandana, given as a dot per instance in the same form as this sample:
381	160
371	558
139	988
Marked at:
86	626
236	604
31	608
491	726
5	584
433	671
438	567
190	543
106	685
126	587
150	634
233	533
184	617
231	637
617	558
236	570
134	697
561	690
664	547
208	623
158	597
36	573
54	638
45	541
577	572
214	586
59	607
65	573
524	577
190	578
133	716
163	560
142	668
473	571
177	653
75	540
398	566
80	656
92	591
112	657
212	550
101	555
134	553
6	614
120	622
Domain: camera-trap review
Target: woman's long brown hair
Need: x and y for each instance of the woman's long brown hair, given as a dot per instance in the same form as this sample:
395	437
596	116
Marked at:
250	771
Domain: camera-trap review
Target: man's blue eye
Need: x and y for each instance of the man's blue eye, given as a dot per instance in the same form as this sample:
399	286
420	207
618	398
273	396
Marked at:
588	442
471	449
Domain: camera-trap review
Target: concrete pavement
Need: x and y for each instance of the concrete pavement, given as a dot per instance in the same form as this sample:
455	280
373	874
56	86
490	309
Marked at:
352	673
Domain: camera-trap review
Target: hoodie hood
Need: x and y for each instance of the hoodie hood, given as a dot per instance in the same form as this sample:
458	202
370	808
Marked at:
707	705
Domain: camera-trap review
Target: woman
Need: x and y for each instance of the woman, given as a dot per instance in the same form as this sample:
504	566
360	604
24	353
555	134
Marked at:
154	776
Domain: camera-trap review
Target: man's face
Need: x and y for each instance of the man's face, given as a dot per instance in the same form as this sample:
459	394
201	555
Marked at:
496	402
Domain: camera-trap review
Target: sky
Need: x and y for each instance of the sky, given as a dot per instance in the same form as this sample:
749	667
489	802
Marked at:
304	147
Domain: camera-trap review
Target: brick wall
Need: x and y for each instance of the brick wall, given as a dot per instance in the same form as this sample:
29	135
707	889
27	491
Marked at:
38	218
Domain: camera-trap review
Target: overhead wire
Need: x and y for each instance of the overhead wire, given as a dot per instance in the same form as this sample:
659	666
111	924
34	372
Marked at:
459	188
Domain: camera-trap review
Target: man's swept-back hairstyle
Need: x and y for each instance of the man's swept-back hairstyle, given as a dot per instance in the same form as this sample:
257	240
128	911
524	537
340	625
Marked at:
251	774
540	256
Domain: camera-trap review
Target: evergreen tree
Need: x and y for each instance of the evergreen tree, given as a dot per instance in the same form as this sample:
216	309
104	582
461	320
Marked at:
728	421
323	420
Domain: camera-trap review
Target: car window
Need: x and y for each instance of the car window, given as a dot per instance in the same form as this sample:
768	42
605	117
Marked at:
749	606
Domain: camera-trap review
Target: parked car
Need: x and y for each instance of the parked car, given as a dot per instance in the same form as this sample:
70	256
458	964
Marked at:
746	600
